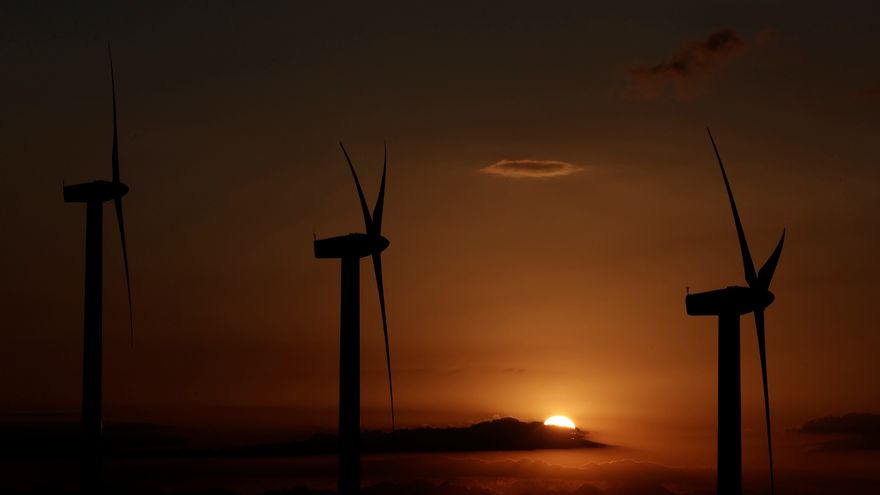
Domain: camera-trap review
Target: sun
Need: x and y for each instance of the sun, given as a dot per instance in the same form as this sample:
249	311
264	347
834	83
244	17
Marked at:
562	421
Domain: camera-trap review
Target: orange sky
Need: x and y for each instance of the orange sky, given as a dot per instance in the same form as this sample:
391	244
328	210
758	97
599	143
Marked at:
511	296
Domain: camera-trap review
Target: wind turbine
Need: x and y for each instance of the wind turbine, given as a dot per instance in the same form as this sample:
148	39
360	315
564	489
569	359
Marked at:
728	304
350	249
94	194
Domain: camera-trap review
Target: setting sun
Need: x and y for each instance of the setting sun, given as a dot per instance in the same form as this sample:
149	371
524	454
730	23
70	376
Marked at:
559	421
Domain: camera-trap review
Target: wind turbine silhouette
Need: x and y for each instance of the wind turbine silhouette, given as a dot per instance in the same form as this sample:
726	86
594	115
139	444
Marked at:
350	249
728	304
94	194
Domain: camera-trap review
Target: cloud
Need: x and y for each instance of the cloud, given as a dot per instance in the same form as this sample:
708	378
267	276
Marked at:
853	431
491	435
693	61
532	169
495	434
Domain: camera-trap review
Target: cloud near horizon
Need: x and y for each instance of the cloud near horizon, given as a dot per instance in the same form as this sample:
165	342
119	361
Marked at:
694	60
508	434
530	169
853	431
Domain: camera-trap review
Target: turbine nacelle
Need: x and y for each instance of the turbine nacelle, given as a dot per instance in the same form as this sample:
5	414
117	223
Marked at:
355	245
730	300
94	191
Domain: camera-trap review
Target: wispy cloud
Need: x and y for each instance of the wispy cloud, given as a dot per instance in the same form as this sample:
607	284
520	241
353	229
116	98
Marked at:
530	169
695	60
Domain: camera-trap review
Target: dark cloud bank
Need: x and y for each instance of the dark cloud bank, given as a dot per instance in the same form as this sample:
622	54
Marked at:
853	431
696	57
148	440
496	434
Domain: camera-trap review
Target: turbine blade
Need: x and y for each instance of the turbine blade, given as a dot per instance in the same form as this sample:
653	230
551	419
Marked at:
765	274
115	155
118	203
380	200
377	266
748	265
762	349
368	222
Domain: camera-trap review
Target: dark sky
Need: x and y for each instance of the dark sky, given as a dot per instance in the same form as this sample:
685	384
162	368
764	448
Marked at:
523	296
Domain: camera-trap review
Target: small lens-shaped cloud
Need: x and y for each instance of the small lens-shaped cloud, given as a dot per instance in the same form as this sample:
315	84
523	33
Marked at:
530	169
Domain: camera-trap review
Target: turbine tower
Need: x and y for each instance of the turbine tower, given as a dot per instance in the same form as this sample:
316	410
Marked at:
94	194
728	305
350	249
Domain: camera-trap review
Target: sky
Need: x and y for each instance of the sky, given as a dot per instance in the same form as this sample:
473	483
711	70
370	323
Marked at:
551	193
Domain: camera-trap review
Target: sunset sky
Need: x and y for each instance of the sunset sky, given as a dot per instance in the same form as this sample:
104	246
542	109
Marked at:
551	193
